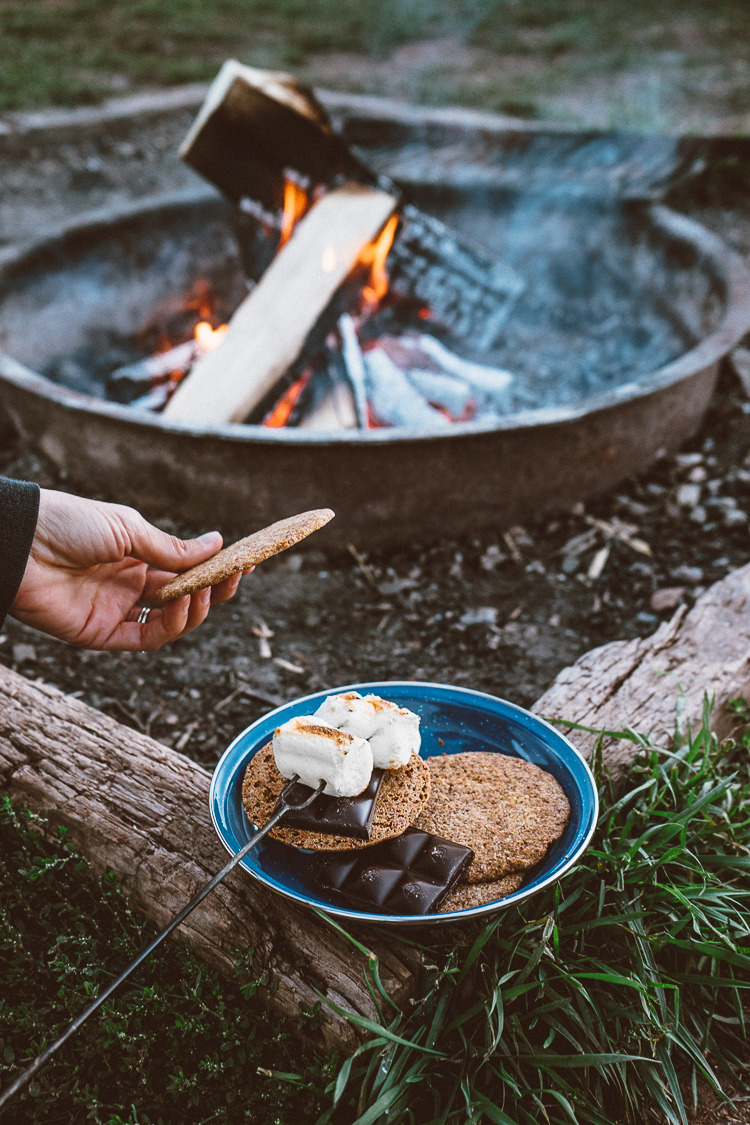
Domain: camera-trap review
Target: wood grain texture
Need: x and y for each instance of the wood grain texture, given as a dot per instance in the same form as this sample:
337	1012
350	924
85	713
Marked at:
141	809
637	684
268	331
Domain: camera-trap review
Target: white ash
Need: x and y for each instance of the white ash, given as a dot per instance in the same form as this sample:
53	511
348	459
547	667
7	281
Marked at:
394	400
445	392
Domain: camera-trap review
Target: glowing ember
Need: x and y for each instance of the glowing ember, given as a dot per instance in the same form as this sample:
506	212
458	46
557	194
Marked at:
295	205
374	256
208	337
281	412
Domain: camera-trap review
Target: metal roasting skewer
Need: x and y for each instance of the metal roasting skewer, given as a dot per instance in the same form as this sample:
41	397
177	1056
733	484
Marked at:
283	805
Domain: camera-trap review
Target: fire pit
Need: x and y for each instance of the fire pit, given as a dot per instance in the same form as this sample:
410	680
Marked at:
614	345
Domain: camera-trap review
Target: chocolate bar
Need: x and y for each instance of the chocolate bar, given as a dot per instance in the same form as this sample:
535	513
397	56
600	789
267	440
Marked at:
410	874
336	816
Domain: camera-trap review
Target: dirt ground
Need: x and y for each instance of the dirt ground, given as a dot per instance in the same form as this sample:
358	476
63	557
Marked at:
502	612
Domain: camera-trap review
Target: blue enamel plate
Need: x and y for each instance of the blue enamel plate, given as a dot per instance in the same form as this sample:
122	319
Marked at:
453	720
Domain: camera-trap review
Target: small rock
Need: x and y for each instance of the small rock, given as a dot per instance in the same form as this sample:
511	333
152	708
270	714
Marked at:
688	460
698	475
668	597
690	575
23	652
688	495
633	507
734	517
492	557
698	514
479	615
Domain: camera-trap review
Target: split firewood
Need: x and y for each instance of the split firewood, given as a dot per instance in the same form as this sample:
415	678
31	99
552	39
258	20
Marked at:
701	652
256	127
268	332
256	124
140	809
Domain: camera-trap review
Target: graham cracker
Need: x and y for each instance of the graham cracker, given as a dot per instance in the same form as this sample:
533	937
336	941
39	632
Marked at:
506	810
465	895
403	793
245	553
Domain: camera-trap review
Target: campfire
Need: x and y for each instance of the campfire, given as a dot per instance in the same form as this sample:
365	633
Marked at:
356	299
463	386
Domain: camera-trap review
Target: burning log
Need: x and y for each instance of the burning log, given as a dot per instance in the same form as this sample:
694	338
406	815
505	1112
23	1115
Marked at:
332	405
491	380
269	330
354	366
465	291
255	126
133	381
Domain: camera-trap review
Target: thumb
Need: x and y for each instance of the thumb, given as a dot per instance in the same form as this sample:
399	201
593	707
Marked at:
168	552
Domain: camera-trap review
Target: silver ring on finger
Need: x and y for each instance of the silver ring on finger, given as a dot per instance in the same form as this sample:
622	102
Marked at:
142	617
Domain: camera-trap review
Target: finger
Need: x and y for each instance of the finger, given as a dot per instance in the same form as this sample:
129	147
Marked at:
225	590
200	603
163	551
162	626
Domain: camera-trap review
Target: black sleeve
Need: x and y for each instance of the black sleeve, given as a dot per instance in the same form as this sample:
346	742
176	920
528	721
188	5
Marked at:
19	509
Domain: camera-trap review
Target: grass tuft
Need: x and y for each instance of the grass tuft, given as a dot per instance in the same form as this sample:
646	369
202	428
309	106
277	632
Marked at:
604	999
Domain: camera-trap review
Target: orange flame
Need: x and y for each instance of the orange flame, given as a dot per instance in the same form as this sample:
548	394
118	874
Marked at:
295	205
208	337
374	256
280	414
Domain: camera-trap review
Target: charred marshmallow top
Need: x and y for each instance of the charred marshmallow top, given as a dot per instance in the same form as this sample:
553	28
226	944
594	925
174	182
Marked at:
392	731
317	751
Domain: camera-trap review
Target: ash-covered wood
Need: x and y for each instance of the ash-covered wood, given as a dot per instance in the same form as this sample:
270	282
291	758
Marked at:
140	809
269	330
464	290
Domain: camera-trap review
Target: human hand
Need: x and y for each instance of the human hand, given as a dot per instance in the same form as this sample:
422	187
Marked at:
92	565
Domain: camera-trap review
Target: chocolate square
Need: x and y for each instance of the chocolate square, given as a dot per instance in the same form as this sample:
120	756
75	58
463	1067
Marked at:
410	874
336	816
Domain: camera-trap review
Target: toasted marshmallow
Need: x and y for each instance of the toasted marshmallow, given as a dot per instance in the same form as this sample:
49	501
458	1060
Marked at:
317	751
392	731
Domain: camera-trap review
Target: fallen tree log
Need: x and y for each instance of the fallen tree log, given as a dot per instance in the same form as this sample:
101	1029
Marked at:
141	810
701	652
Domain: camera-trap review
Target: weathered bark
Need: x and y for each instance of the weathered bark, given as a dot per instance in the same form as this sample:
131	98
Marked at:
636	684
141	810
